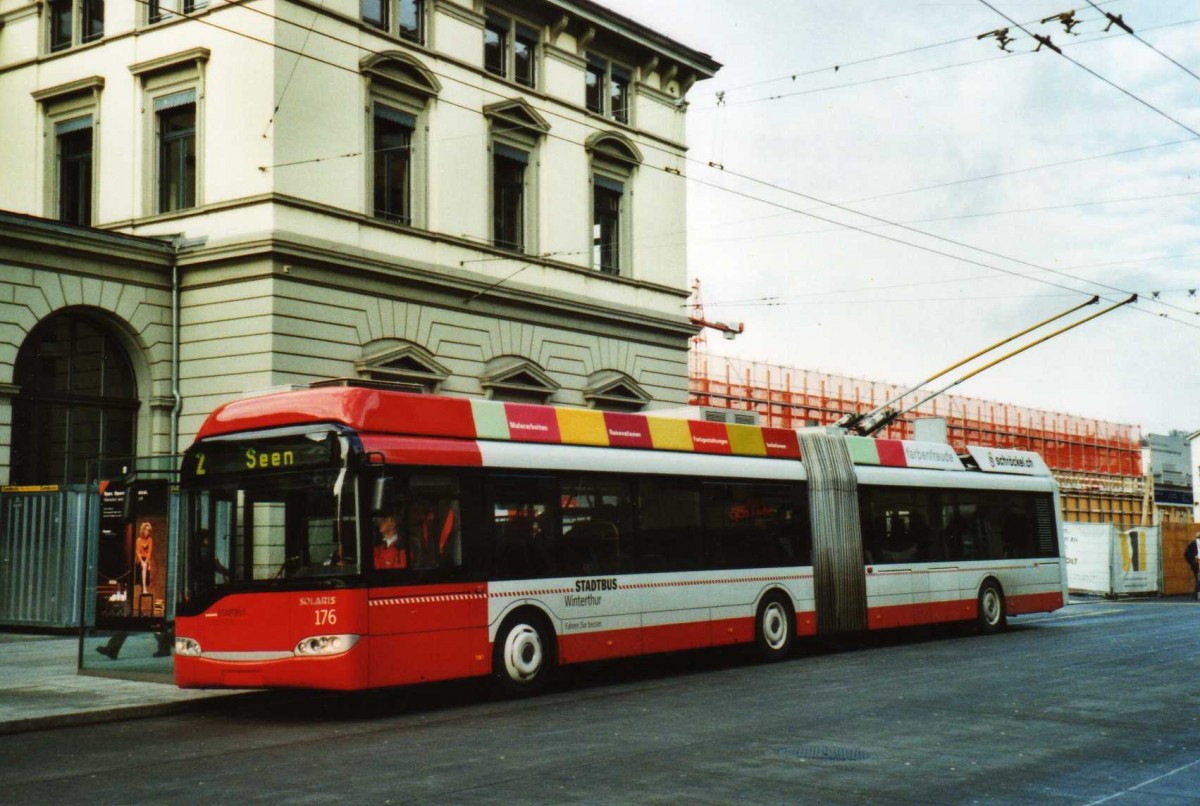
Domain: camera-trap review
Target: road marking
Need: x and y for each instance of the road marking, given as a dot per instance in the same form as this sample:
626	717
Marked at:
1145	783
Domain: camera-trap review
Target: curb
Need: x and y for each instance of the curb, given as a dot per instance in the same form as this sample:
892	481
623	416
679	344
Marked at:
115	714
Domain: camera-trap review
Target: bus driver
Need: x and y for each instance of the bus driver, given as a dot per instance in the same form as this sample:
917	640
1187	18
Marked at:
388	551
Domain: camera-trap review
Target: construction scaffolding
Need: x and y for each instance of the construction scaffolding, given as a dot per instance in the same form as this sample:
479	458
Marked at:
1098	463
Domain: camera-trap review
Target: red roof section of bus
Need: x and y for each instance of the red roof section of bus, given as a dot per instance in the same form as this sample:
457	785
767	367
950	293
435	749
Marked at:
359	408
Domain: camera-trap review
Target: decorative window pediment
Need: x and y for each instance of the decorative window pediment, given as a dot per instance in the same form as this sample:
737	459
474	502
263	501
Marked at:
517	112
401	70
614	146
402	363
614	391
517	380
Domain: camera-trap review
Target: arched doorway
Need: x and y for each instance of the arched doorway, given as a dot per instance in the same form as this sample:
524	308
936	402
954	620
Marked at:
77	400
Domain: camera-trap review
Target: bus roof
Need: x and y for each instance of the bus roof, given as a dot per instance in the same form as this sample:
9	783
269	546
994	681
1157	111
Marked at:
378	411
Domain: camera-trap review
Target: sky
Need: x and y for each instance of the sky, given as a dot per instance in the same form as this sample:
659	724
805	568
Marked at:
978	192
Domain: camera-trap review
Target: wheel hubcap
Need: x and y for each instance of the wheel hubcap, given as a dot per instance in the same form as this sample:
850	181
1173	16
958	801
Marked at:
523	653
991	606
774	626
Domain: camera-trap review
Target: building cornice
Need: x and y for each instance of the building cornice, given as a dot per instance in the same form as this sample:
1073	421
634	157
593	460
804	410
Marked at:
171	61
596	14
48	239
78	87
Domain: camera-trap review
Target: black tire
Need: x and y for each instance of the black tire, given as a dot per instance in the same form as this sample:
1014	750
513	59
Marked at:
523	656
774	627
991	617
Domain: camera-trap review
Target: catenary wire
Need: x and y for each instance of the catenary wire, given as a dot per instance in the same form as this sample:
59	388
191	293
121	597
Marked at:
709	184
1156	50
866	60
1107	81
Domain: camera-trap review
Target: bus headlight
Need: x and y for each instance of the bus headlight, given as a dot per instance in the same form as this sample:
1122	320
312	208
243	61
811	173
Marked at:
325	645
188	647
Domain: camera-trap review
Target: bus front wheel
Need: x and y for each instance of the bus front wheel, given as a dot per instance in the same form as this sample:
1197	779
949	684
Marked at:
523	654
991	617
775	627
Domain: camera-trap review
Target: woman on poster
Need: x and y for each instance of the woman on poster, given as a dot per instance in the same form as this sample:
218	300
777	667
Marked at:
143	552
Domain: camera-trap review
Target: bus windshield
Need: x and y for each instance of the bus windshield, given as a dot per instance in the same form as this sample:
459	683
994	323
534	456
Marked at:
267	527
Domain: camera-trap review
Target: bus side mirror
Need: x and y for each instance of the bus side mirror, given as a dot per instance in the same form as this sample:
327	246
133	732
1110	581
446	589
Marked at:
383	494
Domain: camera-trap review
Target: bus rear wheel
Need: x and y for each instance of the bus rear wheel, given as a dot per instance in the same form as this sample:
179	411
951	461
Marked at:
775	627
523	654
991	617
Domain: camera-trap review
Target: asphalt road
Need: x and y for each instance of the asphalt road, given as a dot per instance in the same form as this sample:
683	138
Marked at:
1096	703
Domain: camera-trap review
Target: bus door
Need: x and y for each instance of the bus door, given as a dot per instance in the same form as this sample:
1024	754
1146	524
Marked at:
935	581
428	619
675	592
896	587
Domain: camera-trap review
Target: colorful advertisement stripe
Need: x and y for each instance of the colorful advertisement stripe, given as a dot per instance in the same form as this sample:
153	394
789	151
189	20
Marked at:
380	412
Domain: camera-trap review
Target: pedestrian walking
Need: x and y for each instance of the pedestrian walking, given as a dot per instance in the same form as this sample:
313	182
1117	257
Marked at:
1192	555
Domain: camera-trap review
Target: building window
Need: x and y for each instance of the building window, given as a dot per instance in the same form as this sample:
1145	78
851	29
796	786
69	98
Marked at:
517	129
393	137
510	49
159	10
175	116
402	18
614	160
402	364
77	401
517	380
508	196
611	390
73	139
399	92
73	22
607	88
607	204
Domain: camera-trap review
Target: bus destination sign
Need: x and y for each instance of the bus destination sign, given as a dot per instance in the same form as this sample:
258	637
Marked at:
259	456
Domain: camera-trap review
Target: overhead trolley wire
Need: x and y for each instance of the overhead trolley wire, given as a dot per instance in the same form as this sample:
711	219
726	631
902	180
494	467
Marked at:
932	250
1143	41
1107	81
868	59
678	173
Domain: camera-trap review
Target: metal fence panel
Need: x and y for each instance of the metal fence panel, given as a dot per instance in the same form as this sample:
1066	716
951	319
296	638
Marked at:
41	537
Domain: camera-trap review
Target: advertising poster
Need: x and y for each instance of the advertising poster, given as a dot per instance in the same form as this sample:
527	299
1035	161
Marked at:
1136	561
113	558
132	557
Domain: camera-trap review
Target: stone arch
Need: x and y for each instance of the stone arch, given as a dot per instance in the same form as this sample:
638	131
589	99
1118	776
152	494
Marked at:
614	146
80	379
402	70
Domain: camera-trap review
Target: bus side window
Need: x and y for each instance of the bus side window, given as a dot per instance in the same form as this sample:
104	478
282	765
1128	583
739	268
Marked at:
750	524
596	513
432	522
523	526
669	529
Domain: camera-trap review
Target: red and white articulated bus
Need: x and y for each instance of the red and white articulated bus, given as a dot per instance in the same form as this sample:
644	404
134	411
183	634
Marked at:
524	537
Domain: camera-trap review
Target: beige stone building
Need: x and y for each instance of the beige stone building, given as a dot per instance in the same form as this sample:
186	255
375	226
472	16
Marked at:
208	199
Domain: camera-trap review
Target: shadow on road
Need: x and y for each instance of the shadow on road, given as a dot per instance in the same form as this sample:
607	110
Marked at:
315	707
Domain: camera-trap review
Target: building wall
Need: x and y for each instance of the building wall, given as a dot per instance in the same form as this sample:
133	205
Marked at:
125	282
286	276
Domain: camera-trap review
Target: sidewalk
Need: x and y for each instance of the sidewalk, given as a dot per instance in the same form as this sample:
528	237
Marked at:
41	687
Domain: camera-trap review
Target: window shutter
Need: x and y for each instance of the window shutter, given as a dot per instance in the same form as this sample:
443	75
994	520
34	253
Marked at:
73	125
174	100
